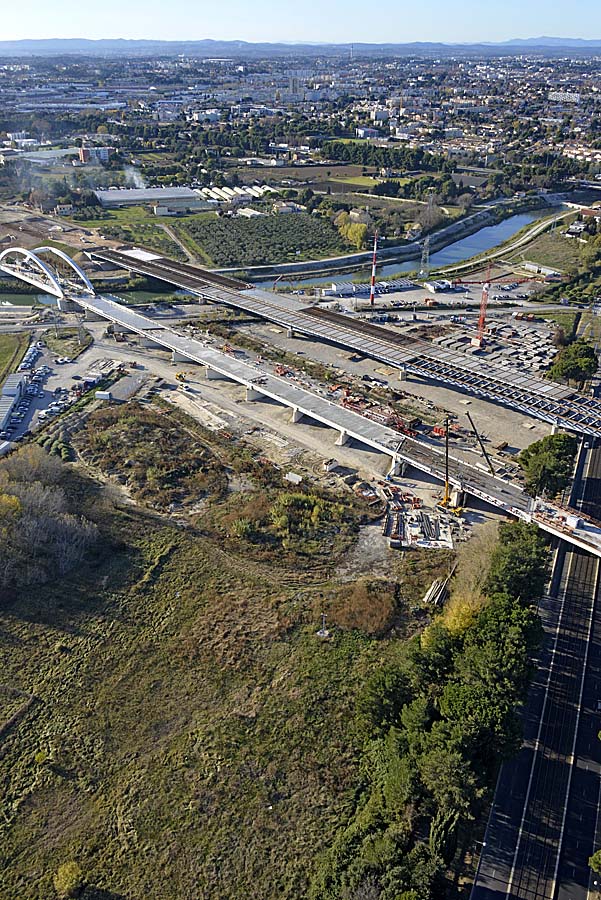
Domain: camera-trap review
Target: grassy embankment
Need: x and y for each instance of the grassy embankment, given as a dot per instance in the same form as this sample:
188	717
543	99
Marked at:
12	351
552	250
189	734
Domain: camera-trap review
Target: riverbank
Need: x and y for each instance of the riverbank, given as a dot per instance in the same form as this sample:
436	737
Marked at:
466	254
310	272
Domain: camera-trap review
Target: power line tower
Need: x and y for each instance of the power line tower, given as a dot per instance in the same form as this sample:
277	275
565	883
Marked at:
425	263
430	204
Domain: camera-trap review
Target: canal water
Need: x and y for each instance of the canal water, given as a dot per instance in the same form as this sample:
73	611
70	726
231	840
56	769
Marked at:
474	244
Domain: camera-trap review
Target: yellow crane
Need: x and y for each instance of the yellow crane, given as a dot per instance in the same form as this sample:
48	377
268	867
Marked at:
444	503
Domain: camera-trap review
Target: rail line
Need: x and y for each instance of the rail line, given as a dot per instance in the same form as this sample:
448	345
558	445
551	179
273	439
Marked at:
553	403
541	828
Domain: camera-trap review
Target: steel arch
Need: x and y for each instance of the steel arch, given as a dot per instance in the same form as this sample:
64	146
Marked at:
52	286
70	262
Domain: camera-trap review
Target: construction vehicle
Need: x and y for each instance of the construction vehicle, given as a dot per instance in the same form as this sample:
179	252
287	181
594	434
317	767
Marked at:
180	376
446	498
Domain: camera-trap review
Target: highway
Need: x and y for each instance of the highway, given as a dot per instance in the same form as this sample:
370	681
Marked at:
541	829
350	425
508	385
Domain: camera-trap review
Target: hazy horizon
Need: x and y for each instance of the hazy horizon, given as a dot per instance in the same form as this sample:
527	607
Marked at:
465	21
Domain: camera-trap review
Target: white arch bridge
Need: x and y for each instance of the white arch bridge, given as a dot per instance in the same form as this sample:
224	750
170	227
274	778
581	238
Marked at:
48	269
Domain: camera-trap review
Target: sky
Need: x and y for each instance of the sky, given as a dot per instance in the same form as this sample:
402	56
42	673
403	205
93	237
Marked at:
332	21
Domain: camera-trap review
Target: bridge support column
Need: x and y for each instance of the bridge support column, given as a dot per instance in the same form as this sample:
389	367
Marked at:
554	428
296	414
397	466
342	439
402	374
211	374
179	358
289	332
253	394
150	344
93	317
68	306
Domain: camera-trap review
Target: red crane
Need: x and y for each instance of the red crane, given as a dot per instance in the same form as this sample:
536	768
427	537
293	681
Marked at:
478	340
372	290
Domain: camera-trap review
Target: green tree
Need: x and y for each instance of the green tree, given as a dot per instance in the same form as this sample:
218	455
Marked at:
449	779
383	697
519	563
68	880
595	862
576	362
548	463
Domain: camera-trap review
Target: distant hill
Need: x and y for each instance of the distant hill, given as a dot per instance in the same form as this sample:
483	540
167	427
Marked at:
214	48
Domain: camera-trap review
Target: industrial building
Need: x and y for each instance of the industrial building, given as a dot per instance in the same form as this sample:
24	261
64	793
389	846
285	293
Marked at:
165	201
12	391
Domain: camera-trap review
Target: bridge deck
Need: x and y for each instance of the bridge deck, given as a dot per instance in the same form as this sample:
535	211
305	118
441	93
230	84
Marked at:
496	491
508	385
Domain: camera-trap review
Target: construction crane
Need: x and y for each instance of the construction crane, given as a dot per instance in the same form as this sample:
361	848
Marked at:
447	487
478	340
445	503
479	439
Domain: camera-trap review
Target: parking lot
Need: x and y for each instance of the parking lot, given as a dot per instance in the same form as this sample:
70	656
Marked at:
54	384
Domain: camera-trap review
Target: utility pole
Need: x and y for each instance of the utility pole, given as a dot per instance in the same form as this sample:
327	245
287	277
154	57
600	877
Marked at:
323	631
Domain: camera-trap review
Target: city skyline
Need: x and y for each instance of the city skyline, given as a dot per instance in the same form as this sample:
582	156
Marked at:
462	22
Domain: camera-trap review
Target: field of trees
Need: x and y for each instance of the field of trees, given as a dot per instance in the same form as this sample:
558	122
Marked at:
264	240
42	536
174	727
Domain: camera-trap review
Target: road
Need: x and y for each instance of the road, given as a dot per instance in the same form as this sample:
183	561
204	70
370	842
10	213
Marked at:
541	829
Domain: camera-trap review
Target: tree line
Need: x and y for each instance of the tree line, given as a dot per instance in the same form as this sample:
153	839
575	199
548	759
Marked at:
41	534
399	158
435	727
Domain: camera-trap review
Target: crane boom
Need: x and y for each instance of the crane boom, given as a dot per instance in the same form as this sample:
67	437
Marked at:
479	439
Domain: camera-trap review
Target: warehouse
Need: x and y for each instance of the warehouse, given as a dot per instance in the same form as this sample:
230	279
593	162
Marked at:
165	201
12	391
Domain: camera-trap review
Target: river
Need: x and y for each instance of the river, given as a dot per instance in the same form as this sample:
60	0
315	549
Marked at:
472	245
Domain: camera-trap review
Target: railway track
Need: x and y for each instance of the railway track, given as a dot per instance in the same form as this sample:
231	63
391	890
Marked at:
542	826
512	387
538	852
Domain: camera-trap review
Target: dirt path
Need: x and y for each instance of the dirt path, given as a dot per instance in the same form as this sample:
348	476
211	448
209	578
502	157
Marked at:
171	233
